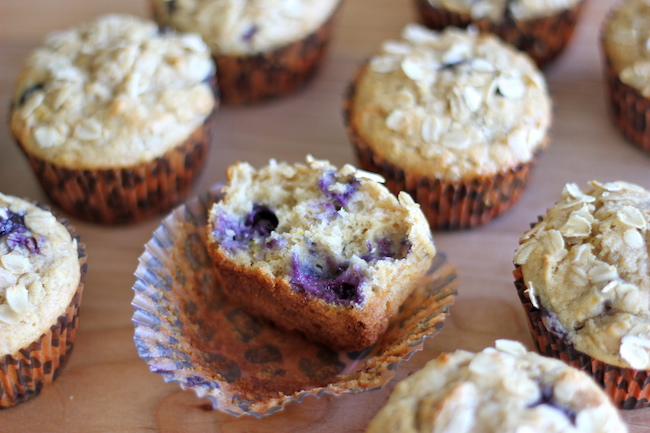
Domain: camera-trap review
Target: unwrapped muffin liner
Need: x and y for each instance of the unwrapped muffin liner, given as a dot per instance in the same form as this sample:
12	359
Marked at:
628	388
24	374
246	79
447	204
542	38
628	107
189	333
126	195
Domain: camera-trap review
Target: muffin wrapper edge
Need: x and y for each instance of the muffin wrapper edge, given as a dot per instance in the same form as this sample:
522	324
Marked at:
542	38
627	388
24	374
629	109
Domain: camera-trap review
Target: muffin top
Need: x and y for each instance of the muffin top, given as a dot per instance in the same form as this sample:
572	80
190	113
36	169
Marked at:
111	94
626	38
451	105
243	27
39	272
498	10
585	265
502	390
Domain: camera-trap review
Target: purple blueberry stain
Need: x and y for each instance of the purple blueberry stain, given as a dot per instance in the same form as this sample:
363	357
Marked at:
338	199
235	234
385	249
250	33
12	225
335	284
552	323
546	398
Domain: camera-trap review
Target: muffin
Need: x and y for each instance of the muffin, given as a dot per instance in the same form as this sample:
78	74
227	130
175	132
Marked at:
502	390
115	117
582	276
541	28
329	253
42	272
263	49
627	69
455	118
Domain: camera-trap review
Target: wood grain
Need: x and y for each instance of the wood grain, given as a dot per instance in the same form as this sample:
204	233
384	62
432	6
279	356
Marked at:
107	388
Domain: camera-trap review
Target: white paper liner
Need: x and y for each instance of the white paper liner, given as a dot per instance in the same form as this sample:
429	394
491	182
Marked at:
187	331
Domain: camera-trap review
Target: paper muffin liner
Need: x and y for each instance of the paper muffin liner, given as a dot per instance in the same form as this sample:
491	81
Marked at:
448	205
126	195
189	333
628	388
24	374
246	79
628	107
542	38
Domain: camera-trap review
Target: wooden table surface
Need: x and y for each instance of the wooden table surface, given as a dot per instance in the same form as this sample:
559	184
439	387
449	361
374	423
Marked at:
106	387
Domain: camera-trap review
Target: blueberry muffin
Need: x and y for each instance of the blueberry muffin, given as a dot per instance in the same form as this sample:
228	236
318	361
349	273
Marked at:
626	53
115	117
582	275
42	268
541	28
454	118
263	48
327	252
500	390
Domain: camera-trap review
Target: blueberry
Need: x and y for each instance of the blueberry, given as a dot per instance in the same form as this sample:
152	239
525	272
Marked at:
338	199
248	34
235	235
385	249
552	323
336	284
546	398
29	92
261	220
12	225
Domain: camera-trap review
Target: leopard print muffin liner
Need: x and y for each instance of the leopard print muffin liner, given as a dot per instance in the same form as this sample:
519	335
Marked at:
127	195
629	109
24	374
246	79
628	388
448	205
542	38
190	333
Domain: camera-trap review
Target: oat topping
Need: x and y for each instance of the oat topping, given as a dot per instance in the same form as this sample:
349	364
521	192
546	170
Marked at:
627	42
452	103
505	389
112	93
35	277
498	10
236	27
588	265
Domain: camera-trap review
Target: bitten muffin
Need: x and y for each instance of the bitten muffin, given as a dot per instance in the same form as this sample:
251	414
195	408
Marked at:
541	28
42	268
454	118
626	51
329	253
583	276
263	48
115	117
502	390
